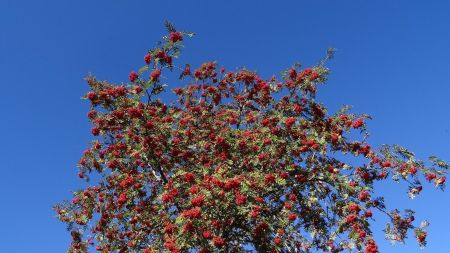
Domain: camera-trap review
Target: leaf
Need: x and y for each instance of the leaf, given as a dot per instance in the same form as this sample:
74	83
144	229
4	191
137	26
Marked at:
143	69
424	224
330	52
179	220
280	181
438	162
169	26
190	34
148	84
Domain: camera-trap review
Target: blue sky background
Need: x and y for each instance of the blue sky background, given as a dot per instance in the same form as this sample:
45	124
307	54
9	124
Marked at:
392	63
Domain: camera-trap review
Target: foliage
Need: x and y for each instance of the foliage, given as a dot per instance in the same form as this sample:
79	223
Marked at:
237	163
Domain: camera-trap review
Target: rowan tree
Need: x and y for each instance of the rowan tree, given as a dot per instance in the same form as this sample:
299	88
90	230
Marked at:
236	163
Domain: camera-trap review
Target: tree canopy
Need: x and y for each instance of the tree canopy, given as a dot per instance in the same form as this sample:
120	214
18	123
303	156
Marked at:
236	163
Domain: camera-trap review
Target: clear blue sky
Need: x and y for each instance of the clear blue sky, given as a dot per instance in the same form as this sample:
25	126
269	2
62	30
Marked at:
392	63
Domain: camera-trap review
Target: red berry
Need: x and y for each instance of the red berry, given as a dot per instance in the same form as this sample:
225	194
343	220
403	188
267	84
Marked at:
95	131
357	123
218	242
290	122
175	37
292	217
133	76
277	241
368	214
155	74
148	58
92	96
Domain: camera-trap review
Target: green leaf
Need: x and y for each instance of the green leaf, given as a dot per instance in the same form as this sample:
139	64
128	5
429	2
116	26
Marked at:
179	220
143	69
148	84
